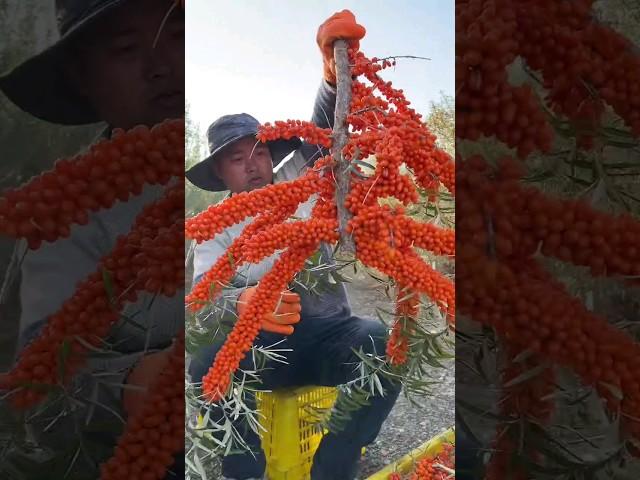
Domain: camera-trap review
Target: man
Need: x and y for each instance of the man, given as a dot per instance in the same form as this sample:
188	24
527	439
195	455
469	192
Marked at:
120	62
320	330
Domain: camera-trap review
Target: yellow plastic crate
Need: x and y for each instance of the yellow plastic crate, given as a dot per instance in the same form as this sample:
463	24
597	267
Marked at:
430	448
291	438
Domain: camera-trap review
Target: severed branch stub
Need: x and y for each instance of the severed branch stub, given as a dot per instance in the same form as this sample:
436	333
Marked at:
340	138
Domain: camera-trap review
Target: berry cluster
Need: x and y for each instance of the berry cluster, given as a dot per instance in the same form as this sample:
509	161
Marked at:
155	434
407	309
87	317
295	128
486	104
45	208
584	66
439	467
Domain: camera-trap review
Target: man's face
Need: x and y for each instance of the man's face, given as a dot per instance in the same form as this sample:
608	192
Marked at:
244	165
128	80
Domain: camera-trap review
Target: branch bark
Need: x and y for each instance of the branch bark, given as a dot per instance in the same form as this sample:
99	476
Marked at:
340	138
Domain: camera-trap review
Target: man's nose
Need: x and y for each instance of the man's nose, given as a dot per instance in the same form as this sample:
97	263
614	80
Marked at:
156	66
250	164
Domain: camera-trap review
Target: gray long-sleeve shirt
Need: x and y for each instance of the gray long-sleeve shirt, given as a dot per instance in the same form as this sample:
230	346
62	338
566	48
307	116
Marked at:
333	302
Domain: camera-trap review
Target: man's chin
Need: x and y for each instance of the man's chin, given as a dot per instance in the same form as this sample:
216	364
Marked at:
161	114
256	185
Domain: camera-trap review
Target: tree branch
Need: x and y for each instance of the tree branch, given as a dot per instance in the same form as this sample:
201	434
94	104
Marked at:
340	138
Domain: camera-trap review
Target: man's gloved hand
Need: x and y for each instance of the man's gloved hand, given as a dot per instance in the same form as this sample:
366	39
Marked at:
282	320
341	25
142	376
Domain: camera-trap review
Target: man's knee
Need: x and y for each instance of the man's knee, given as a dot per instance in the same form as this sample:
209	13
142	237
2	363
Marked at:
372	337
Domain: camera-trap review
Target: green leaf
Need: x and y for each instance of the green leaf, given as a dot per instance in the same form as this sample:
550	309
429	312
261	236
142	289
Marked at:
525	376
364	164
615	391
357	173
200	468
108	285
63	355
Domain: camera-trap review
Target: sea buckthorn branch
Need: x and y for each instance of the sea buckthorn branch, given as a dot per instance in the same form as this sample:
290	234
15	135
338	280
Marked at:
216	218
147	259
46	207
395	258
499	194
406	313
571	93
427	236
340	139
486	104
218	379
296	128
221	274
582	62
153	436
88	315
601	61
409	269
395	137
585	67
526	220
527	388
533	311
439	467
293	234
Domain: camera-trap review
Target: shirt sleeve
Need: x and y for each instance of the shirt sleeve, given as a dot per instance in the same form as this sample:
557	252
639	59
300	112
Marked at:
322	116
205	255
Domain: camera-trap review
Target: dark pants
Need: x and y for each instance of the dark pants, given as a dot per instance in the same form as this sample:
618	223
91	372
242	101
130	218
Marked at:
321	355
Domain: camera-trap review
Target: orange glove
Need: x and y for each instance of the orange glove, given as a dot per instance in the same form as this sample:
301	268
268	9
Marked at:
287	312
142	376
341	25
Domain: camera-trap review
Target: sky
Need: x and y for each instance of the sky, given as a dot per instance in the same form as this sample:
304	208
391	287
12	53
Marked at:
261	57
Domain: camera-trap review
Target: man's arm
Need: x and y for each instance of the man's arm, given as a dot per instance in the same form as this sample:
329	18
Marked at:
324	106
205	255
323	116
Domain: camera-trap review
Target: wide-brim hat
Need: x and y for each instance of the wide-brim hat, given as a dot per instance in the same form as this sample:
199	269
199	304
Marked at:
223	132
39	85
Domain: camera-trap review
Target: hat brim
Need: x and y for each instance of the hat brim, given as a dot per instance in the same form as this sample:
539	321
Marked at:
40	87
202	176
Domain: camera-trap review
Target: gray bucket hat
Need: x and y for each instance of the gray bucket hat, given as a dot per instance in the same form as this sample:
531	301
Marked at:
39	85
224	131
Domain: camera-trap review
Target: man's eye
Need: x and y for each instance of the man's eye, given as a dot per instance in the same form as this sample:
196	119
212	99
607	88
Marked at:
123	47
